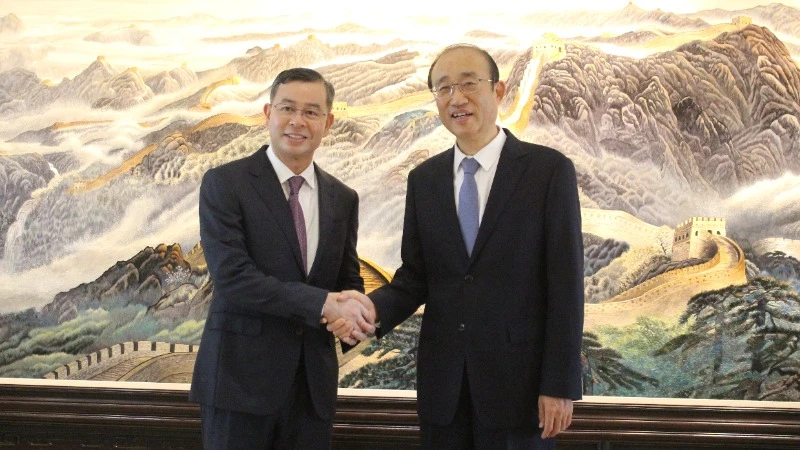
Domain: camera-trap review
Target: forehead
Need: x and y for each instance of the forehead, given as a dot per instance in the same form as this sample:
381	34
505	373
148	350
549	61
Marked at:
301	92
460	62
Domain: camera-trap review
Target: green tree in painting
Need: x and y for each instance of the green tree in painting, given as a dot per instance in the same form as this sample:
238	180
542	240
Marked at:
604	366
395	372
742	342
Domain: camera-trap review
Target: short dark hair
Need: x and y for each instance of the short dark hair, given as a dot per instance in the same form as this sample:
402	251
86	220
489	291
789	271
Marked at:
494	72
306	75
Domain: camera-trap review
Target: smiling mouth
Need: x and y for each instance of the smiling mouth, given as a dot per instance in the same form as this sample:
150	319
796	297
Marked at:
460	115
295	136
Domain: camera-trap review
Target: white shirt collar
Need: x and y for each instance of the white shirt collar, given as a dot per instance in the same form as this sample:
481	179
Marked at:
284	173
487	157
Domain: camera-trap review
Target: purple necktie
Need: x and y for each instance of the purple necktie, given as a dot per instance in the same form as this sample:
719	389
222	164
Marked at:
295	183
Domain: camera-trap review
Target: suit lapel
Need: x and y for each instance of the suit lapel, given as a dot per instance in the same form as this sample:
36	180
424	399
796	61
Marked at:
327	212
265	182
445	202
510	168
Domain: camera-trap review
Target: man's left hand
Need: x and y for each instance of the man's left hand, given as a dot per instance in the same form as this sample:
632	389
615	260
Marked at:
555	415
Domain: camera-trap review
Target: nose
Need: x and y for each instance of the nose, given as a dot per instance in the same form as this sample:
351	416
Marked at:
297	118
458	97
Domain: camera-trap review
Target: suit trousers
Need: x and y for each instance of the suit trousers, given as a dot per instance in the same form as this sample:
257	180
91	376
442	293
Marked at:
295	426
467	433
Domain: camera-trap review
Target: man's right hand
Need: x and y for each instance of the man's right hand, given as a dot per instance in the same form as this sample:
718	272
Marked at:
363	328
350	315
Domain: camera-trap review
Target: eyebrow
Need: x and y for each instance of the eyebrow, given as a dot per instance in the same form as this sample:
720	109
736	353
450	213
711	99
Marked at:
463	75
294	103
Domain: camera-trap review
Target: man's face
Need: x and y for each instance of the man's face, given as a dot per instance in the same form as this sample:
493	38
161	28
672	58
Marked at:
298	119
470	117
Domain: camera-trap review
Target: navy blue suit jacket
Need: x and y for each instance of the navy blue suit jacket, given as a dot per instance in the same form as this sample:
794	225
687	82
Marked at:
512	313
265	311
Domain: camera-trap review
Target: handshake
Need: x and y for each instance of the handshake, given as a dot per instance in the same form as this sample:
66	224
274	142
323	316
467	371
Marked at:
350	315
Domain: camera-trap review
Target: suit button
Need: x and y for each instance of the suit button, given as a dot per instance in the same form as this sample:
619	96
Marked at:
461	327
469	278
298	331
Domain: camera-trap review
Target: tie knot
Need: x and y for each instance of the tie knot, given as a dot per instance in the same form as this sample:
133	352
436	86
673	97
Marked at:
295	183
470	165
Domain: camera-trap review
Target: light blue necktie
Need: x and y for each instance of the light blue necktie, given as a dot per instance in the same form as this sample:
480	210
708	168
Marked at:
468	204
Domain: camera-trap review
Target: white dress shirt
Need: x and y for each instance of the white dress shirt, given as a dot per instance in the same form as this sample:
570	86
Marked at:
309	201
487	158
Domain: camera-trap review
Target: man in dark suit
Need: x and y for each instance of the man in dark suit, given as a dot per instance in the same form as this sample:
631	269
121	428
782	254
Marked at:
492	247
279	236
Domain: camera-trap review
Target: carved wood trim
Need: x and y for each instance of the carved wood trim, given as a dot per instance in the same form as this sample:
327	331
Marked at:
103	417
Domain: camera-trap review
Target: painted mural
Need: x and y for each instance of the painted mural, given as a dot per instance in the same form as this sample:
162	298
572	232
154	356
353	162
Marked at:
684	128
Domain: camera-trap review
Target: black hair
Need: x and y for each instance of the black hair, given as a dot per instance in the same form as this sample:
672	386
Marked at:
306	75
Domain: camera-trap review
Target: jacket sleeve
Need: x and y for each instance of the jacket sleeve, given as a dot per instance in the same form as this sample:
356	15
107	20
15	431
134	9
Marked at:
561	368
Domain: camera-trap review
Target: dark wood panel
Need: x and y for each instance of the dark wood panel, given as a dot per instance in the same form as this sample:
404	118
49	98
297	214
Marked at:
82	417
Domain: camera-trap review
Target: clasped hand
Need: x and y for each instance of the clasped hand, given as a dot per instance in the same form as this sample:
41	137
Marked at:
350	316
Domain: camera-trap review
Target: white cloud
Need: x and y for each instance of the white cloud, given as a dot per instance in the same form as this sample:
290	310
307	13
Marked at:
767	195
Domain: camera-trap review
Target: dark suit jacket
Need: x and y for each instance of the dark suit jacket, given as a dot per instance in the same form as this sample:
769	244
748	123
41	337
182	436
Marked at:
265	312
513	311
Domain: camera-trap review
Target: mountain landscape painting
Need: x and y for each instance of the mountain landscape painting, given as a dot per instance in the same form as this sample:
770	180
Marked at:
684	127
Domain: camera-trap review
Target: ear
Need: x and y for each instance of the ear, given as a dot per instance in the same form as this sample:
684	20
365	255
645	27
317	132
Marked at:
500	89
267	110
328	123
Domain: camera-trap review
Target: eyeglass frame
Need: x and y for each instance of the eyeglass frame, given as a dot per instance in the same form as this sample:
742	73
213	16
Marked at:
452	88
289	110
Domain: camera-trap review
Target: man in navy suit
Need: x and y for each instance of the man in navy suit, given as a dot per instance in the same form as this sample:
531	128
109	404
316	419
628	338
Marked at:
279	236
492	247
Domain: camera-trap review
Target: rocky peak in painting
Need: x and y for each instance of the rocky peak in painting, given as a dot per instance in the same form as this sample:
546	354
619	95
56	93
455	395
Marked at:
266	64
11	24
164	163
98	70
171	81
150	277
15	84
99	86
716	115
20	175
121	91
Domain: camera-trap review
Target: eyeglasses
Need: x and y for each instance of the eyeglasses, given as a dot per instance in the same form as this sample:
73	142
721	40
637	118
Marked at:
466	87
286	110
